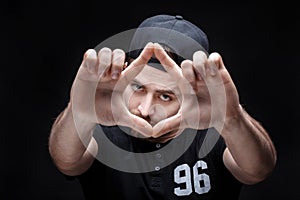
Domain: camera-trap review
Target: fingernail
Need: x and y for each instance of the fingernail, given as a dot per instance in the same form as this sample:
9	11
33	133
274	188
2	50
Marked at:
212	71
115	75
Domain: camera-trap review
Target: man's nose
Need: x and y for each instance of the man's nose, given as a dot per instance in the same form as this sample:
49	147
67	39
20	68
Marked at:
145	107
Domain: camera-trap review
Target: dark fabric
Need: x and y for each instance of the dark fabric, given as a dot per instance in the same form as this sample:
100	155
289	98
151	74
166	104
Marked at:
104	182
180	35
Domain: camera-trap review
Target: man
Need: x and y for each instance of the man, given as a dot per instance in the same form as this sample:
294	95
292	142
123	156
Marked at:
162	121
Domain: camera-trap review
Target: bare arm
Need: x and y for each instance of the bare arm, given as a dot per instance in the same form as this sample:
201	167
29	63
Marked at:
72	154
251	155
71	145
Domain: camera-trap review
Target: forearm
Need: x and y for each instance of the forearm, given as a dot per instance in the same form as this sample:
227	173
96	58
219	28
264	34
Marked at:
249	144
69	139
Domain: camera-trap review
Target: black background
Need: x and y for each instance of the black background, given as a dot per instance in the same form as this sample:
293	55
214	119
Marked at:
42	43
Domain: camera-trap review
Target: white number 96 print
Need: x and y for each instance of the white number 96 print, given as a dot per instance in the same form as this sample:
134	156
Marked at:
182	174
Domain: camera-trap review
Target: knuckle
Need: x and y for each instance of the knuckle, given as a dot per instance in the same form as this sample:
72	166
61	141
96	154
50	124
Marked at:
118	58
118	52
105	57
90	55
200	55
104	50
89	52
215	57
105	54
186	63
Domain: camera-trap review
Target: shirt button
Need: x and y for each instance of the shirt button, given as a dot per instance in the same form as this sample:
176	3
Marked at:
157	145
157	168
158	155
179	17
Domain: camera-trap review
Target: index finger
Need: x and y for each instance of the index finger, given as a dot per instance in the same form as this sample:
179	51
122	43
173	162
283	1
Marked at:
135	67
138	64
172	68
167	125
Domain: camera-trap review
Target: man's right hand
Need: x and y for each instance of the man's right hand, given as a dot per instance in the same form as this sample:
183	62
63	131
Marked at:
101	76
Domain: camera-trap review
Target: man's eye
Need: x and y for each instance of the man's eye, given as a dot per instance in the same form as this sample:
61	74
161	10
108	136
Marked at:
136	87
165	97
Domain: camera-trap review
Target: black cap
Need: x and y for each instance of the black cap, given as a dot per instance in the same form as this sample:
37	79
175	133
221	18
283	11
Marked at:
182	36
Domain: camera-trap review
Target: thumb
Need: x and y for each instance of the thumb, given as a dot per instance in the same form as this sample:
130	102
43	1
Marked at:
167	125
139	125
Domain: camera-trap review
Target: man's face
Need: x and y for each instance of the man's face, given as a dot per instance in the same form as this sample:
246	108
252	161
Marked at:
152	95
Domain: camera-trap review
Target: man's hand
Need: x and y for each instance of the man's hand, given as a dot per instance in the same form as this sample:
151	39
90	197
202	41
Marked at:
101	76
208	92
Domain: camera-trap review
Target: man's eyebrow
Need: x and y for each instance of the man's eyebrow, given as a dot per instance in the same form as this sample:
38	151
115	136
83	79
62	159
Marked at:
168	91
171	92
